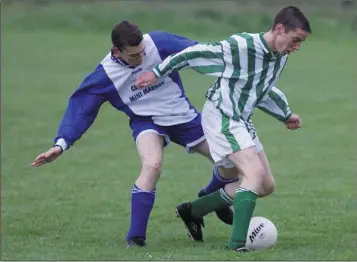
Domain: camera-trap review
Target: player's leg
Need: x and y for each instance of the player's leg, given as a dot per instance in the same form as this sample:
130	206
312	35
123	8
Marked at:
268	183
221	176
193	211
241	194
191	136
150	141
257	181
245	193
220	173
218	181
150	148
228	173
228	138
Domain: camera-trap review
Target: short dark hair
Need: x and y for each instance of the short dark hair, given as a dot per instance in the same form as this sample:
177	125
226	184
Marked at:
292	18
126	34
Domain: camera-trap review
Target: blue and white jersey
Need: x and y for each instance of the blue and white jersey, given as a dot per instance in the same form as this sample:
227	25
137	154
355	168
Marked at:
113	81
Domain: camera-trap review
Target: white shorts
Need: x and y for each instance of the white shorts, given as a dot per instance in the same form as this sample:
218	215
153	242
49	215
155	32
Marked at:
226	136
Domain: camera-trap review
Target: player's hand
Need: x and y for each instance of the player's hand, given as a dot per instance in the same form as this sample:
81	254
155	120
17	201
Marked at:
52	154
293	122
146	79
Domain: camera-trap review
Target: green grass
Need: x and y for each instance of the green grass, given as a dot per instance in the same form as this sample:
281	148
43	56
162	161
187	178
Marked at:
77	208
202	21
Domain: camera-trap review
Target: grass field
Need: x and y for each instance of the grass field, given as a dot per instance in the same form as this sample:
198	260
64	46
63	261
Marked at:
77	208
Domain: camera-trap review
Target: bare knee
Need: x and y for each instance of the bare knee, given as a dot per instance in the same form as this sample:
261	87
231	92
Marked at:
255	177
259	177
268	186
256	180
265	184
149	175
252	180
268	183
250	168
152	167
150	148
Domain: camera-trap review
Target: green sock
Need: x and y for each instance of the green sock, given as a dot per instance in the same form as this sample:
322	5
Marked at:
209	203
244	204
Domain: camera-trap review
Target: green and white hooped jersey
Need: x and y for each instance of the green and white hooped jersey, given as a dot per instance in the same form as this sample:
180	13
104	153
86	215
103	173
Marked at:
246	71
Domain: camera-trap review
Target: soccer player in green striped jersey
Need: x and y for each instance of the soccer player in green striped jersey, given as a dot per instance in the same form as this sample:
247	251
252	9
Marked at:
247	67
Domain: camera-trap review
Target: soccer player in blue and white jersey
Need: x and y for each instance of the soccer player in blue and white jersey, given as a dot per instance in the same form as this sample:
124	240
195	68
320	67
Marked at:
158	114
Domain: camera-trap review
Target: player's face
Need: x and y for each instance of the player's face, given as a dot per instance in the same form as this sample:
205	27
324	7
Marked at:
133	55
287	42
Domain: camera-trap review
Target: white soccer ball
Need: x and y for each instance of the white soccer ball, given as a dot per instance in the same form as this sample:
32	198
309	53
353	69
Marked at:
262	233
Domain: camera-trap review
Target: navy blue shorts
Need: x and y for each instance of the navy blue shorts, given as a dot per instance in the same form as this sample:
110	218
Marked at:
187	134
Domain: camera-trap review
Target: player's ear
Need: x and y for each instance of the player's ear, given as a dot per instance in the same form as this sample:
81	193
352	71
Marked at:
116	51
279	29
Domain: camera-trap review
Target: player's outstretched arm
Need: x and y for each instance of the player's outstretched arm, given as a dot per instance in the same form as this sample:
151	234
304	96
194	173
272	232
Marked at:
83	108
79	116
203	58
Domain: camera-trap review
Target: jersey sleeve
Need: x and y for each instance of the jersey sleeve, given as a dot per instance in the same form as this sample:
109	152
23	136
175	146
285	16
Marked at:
168	44
205	58
83	108
276	105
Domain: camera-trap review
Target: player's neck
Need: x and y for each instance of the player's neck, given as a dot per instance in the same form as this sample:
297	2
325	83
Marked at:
121	59
269	38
